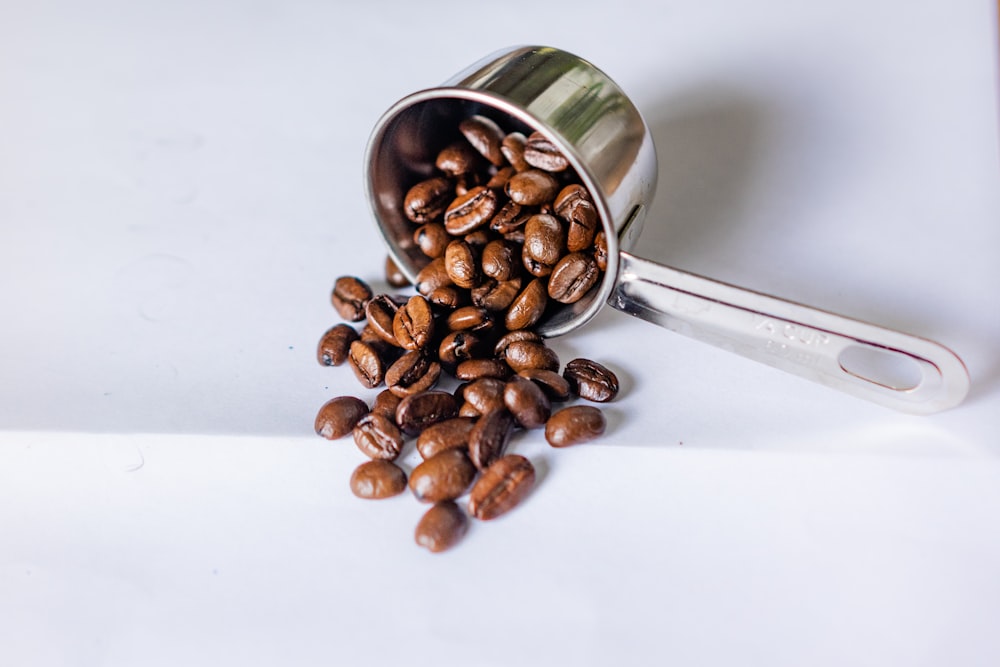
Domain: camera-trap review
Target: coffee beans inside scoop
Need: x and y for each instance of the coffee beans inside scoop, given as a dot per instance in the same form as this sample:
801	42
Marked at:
509	232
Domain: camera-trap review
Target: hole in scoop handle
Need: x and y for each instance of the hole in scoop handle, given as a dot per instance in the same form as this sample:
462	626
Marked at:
894	369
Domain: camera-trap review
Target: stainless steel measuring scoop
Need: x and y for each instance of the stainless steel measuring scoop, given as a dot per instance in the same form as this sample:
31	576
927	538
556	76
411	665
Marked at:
606	141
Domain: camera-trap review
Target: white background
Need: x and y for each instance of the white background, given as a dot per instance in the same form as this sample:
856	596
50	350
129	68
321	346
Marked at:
180	183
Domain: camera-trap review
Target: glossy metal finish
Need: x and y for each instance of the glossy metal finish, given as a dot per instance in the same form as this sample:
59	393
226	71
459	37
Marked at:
606	141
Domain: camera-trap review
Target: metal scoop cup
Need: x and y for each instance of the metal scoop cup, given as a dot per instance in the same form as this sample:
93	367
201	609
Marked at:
608	144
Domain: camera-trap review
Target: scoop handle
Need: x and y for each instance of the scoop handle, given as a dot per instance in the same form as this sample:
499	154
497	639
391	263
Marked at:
895	369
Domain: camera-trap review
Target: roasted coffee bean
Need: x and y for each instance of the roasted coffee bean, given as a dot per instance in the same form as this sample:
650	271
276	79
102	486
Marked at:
412	373
427	200
432	277
448	297
478	238
573	277
568	196
417	412
394	276
441	527
338	416
544	239
500	348
335	344
460	263
574	206
501	487
499	180
413	325
524	354
457	347
470	210
601	251
496	296
512	148
366	364
485	394
511	217
378	437
540	152
554	385
381	311
527	402
516	236
573	425
449	434
531	187
473	369
590	380
377	479
444	476
500	260
489	436
458	158
528	307
386	403
349	297
432	239
485	136
470	318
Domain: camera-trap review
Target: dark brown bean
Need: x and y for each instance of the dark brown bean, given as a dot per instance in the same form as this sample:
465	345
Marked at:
540	152
469	410
432	239
500	259
394	276
575	424
460	263
496	296
378	437
413	325
511	217
470	210
366	364
457	347
478	238
457	159
334	345
485	136
489	437
544	239
527	402
573	277
381	311
568	196
500	349
412	373
485	394
574	206
470	318
417	412
501	487
601	251
449	434
444	476
433	276
377	479
499	180
441	527
349	297
448	297
590	380
512	148
531	187
338	416
554	385
386	403
522	354
473	369
528	307
427	200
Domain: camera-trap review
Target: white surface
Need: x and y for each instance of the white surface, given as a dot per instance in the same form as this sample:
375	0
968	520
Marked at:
181	183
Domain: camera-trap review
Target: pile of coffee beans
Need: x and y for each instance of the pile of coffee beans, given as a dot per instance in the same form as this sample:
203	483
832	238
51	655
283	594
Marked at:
507	227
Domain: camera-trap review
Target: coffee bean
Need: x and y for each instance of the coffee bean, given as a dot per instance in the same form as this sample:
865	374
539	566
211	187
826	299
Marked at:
527	402
412	373
485	394
574	206
590	380
457	159
474	369
418	411
366	364
441	527
457	347
512	148
470	318
335	344
540	152
349	297
489	436
427	200
432	239
386	403
377	479
528	306
510	217
448	297
413	325
531	187
601	251
381	311
338	416
444	476
501	487
500	260
433	276
378	437
500	349
499	180
460	263
573	425
554	385
478	238
449	434
496	296
573	277
485	136
544	239
470	210
394	276
522	354
469	410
